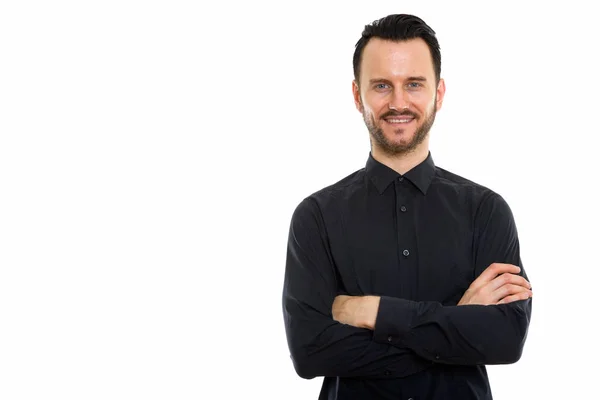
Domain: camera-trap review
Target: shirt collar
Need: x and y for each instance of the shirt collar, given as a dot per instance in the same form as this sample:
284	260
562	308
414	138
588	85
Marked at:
381	175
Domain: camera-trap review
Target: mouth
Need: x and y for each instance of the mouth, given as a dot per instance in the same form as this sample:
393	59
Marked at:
399	120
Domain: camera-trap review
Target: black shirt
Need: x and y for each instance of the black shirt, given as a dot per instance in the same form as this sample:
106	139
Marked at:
418	241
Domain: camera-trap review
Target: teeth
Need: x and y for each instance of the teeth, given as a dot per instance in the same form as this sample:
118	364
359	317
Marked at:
399	121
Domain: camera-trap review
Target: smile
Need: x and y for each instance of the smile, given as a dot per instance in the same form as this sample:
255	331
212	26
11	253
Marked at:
397	120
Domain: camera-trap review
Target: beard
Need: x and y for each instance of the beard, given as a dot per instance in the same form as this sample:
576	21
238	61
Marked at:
391	148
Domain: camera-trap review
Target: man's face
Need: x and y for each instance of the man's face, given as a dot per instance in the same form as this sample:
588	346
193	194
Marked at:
398	95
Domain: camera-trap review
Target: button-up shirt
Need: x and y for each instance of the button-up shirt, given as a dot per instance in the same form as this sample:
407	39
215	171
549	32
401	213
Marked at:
417	240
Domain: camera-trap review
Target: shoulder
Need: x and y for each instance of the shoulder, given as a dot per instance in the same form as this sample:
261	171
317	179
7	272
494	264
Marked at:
489	207
460	183
471	188
333	194
484	200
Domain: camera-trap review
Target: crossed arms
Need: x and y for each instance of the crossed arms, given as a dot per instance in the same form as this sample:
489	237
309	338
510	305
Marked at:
372	336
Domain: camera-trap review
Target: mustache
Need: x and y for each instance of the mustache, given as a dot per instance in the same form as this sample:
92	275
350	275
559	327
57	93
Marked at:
404	113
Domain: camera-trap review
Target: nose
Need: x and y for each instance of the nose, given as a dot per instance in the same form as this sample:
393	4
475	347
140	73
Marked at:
399	100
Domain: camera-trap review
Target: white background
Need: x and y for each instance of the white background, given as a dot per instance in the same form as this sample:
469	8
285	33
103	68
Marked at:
151	155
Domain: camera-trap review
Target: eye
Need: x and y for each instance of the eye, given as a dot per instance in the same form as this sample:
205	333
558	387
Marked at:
414	85
382	86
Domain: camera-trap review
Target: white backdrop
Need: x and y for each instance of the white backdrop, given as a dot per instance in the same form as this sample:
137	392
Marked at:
151	155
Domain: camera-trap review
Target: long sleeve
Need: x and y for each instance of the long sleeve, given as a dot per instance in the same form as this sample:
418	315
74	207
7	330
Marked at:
319	345
470	334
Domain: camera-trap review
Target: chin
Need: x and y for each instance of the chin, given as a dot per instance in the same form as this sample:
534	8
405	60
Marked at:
400	136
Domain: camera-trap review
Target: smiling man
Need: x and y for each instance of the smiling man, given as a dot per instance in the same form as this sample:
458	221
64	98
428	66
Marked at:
399	95
403	280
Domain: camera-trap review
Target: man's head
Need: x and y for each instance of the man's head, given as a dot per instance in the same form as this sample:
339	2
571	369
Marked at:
397	84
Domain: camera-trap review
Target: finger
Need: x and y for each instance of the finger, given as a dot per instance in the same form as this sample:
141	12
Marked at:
508	290
516	297
493	271
508	279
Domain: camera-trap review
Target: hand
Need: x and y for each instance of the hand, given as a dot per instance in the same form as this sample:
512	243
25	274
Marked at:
358	311
498	284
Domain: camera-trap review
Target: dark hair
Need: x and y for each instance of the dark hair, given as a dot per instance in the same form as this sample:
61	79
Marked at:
399	27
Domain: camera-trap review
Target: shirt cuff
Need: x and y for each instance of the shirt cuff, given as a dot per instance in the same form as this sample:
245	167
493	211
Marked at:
394	319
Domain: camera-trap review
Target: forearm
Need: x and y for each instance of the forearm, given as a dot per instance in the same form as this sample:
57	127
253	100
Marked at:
320	346
462	335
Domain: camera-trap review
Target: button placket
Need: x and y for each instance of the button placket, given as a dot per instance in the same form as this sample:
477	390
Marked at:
405	226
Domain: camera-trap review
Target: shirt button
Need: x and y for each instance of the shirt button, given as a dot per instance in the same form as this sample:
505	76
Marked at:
387	372
410	398
403	209
406	253
401	178
389	339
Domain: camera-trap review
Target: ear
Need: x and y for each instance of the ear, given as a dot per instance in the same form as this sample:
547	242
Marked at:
441	91
356	94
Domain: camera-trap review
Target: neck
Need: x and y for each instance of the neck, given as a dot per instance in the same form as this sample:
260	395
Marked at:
402	163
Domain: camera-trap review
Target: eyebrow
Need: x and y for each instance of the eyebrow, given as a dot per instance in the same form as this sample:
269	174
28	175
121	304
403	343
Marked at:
410	78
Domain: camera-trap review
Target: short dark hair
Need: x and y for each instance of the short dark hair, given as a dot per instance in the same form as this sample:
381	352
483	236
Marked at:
399	27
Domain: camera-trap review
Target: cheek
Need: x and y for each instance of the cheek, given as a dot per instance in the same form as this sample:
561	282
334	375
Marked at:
374	105
425	101
371	116
366	110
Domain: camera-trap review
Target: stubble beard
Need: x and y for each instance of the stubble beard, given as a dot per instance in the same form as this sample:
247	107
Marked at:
379	139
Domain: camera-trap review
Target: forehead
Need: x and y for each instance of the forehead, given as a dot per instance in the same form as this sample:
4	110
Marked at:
389	59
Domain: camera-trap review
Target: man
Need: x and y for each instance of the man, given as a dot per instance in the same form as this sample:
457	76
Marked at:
403	280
